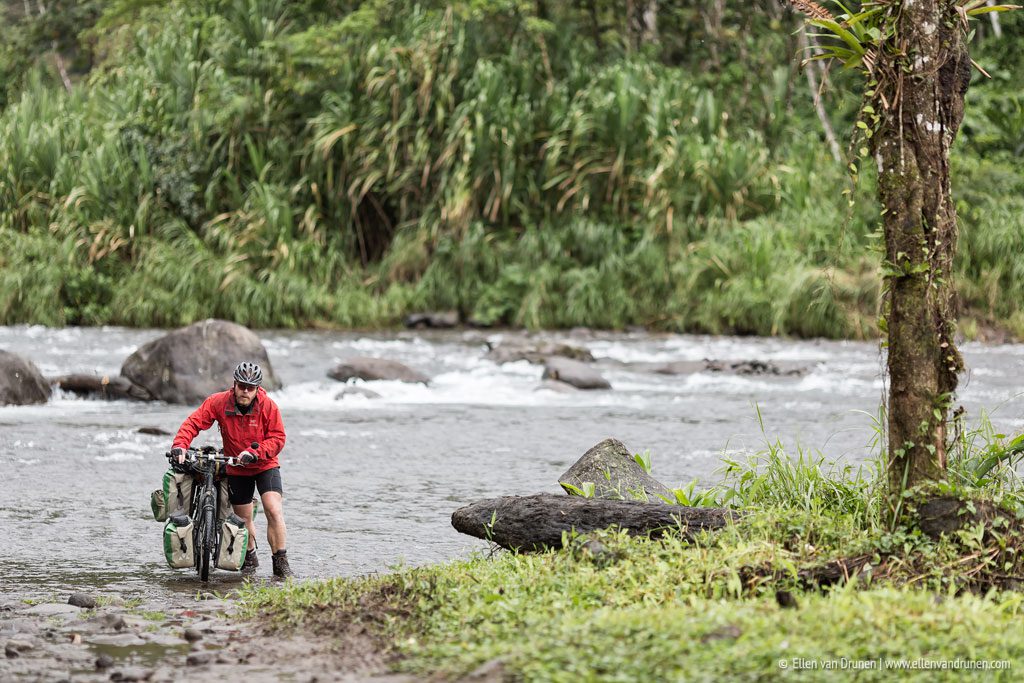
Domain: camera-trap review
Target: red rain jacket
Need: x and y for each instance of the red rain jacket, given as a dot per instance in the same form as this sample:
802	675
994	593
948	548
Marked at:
263	424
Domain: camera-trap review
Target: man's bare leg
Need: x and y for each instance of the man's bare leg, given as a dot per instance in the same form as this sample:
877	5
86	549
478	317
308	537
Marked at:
273	508
245	512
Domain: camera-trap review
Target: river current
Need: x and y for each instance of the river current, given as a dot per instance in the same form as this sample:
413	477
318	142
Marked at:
371	483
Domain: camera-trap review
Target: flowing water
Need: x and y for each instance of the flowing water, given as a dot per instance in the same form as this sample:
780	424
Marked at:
371	483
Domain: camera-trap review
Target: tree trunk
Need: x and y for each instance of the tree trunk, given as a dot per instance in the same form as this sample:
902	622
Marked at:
923	83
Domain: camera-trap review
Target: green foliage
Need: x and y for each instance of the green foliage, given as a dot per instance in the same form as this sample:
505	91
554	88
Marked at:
341	163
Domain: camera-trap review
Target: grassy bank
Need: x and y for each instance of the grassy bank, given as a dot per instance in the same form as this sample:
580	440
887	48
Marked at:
751	602
342	163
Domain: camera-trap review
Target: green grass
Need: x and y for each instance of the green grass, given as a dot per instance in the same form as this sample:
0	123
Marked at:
708	608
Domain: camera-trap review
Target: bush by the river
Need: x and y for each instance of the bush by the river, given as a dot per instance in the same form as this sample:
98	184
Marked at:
345	163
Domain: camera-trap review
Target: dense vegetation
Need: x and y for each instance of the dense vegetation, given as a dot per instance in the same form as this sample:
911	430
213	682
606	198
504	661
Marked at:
331	162
726	606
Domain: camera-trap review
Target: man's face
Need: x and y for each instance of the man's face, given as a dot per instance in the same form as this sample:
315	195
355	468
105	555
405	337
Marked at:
244	393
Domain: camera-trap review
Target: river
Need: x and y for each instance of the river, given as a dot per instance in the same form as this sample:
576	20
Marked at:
371	483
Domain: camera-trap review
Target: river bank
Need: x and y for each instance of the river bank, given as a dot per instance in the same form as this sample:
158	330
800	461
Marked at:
159	640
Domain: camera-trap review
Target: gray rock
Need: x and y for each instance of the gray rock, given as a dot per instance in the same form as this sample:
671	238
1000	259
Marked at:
110	621
615	474
10	627
15	646
193	634
20	381
83	600
104	661
369	369
151	431
189	364
743	368
575	373
535	351
132	673
51	609
117	639
439	320
356	391
199	658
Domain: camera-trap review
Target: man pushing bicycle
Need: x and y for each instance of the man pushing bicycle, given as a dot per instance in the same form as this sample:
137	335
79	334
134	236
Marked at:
251	429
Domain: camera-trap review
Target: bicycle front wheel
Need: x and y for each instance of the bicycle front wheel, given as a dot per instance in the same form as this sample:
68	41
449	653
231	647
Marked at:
207	539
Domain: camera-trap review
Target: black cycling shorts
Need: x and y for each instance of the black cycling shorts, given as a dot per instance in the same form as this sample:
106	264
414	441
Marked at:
240	488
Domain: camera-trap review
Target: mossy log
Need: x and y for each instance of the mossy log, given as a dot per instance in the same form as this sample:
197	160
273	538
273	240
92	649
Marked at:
537	522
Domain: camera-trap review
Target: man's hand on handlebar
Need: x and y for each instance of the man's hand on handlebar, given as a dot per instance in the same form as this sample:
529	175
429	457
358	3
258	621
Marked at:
179	455
247	458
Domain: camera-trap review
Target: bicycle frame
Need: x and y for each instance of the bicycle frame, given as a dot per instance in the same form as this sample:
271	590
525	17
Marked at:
207	464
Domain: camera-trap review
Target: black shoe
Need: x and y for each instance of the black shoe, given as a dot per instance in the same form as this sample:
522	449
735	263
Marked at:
251	562
281	568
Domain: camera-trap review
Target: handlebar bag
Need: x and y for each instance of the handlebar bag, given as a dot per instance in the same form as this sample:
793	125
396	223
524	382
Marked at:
179	548
234	543
175	496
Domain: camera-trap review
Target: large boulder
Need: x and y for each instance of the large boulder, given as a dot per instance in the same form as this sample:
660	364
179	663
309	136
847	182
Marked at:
20	381
579	375
189	364
534	351
369	369
615	474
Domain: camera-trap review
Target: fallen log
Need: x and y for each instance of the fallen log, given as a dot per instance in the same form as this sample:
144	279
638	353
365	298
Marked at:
538	521
116	387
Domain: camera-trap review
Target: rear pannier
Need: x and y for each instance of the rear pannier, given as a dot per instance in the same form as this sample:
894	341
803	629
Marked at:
234	542
179	549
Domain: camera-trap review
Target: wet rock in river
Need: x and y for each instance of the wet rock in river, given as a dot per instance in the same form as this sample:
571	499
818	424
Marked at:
83	600
104	661
534	351
20	381
362	392
189	364
369	369
615	474
743	368
151	431
575	373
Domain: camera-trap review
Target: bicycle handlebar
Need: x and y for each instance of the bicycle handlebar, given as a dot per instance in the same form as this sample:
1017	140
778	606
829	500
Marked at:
200	455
